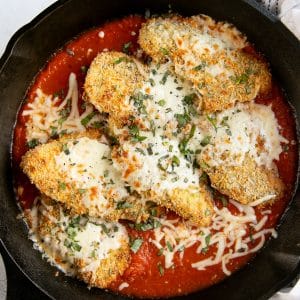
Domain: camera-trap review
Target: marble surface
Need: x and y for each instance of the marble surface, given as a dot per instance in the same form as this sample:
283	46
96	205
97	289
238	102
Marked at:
16	13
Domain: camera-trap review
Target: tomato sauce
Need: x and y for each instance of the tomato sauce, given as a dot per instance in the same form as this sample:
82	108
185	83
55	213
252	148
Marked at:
143	275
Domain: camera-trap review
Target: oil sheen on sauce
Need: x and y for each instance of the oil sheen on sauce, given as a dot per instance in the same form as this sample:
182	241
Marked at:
142	275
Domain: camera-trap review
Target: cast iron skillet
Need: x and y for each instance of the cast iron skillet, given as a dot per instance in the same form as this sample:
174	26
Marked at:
275	266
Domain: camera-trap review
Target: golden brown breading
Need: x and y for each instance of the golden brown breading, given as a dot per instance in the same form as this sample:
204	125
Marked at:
111	267
211	59
156	37
40	166
192	204
246	183
111	79
54	231
220	92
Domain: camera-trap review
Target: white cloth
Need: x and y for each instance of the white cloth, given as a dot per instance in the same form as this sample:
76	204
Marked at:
288	11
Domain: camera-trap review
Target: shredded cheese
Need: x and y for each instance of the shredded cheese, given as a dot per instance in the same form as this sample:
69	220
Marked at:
48	118
123	285
228	233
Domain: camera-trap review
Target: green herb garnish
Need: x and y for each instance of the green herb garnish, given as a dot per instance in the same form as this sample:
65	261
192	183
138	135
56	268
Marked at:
135	134
123	205
205	141
160	269
164	78
213	121
88	118
161	102
65	149
164	51
136	244
126	47
62	185
200	66
32	143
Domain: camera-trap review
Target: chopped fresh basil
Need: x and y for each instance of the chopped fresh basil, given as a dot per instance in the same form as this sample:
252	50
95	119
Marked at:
201	66
65	149
62	185
82	191
175	161
224	200
135	134
136	244
165	77
88	118
152	82
83	69
119	60
205	141
160	269
32	143
126	47
149	149
164	51
169	246
162	102
160	252
213	121
123	205
182	119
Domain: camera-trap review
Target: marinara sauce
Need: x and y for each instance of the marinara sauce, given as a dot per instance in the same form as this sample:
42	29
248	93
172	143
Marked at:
142	275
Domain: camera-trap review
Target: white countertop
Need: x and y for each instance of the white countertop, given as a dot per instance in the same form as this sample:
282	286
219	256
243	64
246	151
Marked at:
16	13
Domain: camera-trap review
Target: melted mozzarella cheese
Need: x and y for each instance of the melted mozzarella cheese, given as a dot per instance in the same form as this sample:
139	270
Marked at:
194	46
74	238
88	165
245	129
164	93
164	169
157	162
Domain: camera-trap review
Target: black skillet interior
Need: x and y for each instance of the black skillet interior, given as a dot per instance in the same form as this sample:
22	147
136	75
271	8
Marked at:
29	50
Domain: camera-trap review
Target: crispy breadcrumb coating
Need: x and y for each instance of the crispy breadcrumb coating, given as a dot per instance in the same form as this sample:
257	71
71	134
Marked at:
192	204
111	79
247	182
52	224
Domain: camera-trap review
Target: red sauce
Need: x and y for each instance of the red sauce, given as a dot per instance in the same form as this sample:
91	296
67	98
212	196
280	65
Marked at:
143	275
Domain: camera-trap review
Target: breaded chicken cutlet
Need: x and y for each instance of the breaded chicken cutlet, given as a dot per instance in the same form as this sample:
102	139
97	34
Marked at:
221	73
247	183
167	188
243	143
111	79
88	248
76	170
